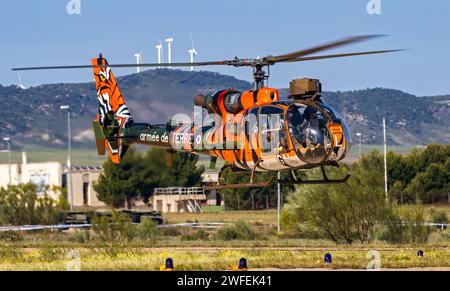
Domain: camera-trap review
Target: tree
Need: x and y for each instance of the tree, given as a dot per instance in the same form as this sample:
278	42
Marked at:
421	175
430	186
184	172
252	198
121	184
139	174
342	213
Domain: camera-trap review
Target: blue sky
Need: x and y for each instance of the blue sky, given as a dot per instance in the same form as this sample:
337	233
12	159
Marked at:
42	33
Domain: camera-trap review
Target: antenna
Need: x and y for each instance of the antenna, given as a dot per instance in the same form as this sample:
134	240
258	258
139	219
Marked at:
192	52
138	57
159	47
21	86
169	49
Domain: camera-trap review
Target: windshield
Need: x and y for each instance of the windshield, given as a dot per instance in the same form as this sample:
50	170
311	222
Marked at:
309	132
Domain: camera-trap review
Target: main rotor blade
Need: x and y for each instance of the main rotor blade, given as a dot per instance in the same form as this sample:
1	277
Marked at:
335	44
266	61
148	65
304	59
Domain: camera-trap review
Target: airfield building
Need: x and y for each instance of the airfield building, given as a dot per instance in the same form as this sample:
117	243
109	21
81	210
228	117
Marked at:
46	175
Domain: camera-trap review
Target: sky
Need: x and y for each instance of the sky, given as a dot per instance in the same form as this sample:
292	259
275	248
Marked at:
35	33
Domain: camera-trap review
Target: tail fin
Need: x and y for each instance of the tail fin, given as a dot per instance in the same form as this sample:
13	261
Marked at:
113	113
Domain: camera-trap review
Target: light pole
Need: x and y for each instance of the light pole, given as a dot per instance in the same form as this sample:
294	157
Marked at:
69	163
360	139
385	161
8	141
279	203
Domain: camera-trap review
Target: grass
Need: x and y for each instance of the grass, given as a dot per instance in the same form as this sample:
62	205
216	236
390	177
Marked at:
259	218
151	259
46	250
212	209
266	217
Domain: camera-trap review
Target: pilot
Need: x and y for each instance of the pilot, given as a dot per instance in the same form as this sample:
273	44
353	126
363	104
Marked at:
295	120
311	126
282	146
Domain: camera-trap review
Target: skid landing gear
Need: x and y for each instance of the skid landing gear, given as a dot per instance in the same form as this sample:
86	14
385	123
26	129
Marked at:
293	180
251	184
296	181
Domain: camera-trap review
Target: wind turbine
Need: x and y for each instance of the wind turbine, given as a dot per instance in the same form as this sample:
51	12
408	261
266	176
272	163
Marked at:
21	86
192	52
159	47
169	49
138	57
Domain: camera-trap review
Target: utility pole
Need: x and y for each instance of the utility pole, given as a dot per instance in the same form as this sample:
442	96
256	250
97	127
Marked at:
385	161
69	162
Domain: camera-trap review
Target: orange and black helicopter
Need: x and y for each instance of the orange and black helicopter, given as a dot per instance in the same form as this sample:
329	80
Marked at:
251	131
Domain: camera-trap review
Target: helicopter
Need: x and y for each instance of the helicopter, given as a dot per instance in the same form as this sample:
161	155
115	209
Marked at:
252	131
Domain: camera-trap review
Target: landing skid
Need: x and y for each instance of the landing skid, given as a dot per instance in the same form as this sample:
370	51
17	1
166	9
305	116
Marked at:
295	181
240	186
251	184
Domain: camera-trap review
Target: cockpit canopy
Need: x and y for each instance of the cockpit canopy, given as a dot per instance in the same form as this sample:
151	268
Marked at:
316	133
309	132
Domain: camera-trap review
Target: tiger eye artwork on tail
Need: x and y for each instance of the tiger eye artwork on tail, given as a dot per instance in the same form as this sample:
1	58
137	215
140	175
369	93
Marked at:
252	131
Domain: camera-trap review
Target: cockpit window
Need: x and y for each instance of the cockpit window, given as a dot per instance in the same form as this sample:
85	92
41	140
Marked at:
334	114
309	132
272	130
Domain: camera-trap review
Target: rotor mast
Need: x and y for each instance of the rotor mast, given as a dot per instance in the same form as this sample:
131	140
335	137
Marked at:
259	76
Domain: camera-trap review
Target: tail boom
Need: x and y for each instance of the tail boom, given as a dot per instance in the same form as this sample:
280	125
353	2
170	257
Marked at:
113	114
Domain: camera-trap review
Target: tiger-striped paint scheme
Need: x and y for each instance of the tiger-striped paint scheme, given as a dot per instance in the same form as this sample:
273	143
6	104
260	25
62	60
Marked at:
110	101
246	152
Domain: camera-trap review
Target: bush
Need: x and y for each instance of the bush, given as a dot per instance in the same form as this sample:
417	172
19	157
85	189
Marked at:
439	216
393	229
11	236
406	225
147	230
119	229
116	229
341	213
446	235
198	235
82	236
239	230
20	205
169	231
414	220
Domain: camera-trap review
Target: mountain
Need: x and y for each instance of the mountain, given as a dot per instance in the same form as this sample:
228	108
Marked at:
33	118
410	120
